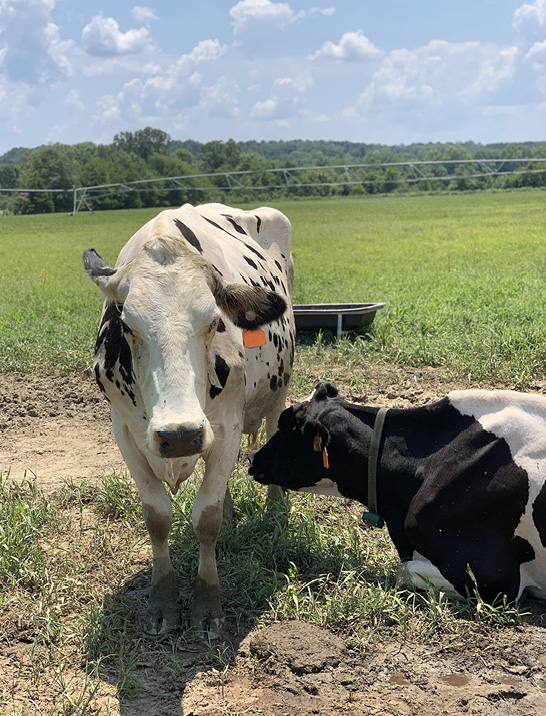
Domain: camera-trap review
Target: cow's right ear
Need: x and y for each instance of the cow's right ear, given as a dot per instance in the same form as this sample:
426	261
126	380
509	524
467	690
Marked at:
98	270
316	433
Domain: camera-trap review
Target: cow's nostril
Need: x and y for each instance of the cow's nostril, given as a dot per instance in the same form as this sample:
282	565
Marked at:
180	441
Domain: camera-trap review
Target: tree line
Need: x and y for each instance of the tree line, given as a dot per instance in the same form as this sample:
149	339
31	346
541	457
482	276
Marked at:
151	153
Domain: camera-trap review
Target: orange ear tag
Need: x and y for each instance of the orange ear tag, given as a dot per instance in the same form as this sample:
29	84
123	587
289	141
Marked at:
254	339
325	460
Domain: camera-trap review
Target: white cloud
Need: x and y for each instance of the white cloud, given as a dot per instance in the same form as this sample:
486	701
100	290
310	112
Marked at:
537	55
73	100
176	87
285	100
143	15
249	14
353	47
441	72
264	110
103	37
31	48
204	51
530	18
327	11
221	99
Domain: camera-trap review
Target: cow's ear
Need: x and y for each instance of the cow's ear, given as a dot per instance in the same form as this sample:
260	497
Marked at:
249	307
316	434
98	270
287	419
324	391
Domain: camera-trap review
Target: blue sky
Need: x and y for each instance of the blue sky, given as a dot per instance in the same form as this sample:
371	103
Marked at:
393	72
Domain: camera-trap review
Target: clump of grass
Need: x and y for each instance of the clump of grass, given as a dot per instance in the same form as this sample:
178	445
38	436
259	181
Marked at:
116	498
24	514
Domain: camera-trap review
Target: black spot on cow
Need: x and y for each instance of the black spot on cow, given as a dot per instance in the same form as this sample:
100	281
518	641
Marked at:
222	371
235	225
250	262
188	234
273	382
116	349
277	264
258	224
221	328
97	378
275	340
255	251
539	508
286	378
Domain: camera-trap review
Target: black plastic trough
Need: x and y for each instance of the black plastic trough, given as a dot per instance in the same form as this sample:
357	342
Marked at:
338	317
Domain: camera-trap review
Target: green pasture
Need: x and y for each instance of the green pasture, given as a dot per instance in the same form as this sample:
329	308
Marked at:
463	275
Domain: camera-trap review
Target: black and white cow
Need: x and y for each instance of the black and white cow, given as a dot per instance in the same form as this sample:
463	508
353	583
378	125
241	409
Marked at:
460	483
186	368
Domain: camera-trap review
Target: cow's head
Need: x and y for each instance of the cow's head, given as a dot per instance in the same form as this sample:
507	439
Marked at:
304	454
171	300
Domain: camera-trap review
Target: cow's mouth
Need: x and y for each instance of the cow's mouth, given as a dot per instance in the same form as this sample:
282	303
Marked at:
258	476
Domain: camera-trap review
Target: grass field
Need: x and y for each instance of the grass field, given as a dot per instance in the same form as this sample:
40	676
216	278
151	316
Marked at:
464	278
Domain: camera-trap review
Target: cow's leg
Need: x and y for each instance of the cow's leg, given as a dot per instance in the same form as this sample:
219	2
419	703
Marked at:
274	492
207	520
162	613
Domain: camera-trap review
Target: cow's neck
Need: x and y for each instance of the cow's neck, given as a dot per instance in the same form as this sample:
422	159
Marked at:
409	437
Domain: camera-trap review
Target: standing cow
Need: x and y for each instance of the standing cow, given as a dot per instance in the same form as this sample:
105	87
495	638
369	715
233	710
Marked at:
187	370
459	483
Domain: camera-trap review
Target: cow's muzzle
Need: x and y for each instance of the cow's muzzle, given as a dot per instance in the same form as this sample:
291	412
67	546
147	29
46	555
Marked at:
180	441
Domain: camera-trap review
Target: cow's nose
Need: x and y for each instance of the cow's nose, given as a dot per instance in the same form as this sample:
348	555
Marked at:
180	441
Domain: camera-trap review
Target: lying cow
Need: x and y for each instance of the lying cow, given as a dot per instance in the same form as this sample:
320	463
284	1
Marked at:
460	483
186	368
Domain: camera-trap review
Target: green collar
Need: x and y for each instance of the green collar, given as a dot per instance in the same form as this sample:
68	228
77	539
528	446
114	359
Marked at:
373	459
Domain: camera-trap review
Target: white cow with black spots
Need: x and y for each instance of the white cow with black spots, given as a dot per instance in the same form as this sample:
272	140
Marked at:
187	370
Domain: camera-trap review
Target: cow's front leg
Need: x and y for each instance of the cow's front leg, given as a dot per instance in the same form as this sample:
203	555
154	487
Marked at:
162	613
207	510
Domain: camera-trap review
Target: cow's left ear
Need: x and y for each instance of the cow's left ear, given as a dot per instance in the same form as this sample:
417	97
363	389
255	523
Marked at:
248	307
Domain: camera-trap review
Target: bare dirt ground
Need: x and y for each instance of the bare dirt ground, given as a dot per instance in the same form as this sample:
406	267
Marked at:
57	428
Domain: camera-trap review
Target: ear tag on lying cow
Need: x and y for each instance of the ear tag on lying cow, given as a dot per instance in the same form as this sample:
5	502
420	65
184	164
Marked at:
254	339
325	460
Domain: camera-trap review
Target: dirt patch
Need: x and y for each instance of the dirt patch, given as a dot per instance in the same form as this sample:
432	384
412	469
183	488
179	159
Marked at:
295	669
57	428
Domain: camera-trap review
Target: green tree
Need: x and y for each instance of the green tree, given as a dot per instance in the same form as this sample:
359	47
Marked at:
218	156
143	142
48	167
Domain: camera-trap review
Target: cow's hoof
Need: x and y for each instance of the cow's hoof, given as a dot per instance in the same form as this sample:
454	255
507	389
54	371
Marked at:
208	627
158	620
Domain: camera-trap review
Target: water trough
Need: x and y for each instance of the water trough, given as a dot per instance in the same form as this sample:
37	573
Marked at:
339	317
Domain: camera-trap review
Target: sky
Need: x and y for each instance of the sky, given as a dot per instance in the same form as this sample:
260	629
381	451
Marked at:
388	71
